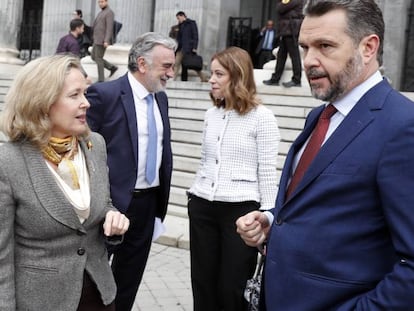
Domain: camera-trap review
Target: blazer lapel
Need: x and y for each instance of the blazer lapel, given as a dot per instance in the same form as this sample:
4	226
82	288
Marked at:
93	181
358	118
164	113
297	144
127	99
47	190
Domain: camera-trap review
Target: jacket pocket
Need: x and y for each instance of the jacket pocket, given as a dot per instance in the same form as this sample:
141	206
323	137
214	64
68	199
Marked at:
244	175
39	269
335	281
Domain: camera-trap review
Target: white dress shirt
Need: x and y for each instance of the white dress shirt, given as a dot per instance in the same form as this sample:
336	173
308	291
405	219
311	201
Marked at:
140	92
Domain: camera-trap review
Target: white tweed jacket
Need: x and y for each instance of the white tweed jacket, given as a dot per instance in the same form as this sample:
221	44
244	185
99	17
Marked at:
238	157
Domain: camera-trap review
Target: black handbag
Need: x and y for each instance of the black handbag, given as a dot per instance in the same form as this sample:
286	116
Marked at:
253	285
116	29
192	61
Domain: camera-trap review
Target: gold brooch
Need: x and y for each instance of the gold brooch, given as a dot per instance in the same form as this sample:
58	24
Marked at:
89	145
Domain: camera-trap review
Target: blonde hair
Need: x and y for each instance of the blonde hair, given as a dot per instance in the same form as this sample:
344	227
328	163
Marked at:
36	87
241	94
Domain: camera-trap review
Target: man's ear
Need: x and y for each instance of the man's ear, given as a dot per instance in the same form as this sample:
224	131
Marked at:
369	46
141	64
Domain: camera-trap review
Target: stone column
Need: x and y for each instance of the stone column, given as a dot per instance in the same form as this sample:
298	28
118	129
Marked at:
394	43
55	24
10	20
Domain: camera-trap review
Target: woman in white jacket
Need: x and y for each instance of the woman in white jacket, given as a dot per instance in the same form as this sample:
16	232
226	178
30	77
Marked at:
237	174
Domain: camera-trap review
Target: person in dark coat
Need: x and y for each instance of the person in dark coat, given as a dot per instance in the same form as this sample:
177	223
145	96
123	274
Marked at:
268	40
290	19
84	40
187	39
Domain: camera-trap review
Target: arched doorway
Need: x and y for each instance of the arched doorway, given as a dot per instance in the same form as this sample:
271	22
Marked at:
31	29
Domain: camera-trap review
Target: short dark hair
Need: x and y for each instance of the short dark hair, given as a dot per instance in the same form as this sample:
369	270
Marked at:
75	23
79	13
180	13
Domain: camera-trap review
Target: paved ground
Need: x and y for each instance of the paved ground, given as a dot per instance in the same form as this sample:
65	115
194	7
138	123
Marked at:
166	282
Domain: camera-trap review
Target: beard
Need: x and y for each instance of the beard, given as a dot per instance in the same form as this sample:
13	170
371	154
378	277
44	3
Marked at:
340	83
154	84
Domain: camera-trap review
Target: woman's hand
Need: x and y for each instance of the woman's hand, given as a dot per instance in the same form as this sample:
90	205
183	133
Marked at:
115	223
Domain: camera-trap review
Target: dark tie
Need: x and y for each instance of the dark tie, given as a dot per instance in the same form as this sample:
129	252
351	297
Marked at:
266	40
312	148
150	167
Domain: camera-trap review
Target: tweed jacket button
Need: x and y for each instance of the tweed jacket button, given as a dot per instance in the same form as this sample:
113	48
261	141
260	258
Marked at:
81	251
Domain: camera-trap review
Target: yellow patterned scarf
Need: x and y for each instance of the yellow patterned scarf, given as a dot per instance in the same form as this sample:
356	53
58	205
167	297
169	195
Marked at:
61	151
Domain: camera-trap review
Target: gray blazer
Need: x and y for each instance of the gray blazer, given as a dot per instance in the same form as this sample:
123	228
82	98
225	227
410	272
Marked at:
103	27
44	249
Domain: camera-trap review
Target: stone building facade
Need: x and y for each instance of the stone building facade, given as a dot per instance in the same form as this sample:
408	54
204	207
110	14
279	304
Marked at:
25	24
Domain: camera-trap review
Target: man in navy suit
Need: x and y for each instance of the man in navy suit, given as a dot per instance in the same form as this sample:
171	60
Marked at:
120	112
343	238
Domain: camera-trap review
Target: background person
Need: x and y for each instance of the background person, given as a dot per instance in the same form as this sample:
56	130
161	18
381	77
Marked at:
268	40
289	20
55	207
103	27
187	39
237	174
69	43
342	234
84	40
173	33
120	112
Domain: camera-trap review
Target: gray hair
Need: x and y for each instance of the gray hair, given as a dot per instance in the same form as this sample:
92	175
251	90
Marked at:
364	18
144	45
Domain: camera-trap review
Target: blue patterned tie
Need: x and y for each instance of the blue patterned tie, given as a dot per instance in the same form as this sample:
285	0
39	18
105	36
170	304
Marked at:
150	167
266	40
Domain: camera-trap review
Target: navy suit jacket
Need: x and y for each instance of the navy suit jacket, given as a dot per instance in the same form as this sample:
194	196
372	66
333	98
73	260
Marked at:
345	238
112	114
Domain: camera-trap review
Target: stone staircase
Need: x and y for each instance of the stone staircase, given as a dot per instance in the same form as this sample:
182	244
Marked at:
188	103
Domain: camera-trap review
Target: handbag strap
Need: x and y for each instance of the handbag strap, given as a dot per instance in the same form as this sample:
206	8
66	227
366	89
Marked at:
259	267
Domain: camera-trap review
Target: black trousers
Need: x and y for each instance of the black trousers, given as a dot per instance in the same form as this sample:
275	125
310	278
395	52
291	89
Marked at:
288	45
130	257
221	262
264	57
91	298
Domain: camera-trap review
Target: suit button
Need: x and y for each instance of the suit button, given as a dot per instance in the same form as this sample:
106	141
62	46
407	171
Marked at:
81	251
279	221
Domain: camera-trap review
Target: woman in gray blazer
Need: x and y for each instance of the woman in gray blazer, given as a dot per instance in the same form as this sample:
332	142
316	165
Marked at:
55	207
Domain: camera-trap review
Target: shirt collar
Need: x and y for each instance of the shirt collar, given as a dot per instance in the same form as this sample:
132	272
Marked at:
345	104
137	88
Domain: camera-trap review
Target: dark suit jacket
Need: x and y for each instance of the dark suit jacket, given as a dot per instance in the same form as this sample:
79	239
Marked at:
112	114
187	37
262	37
344	239
44	248
289	17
